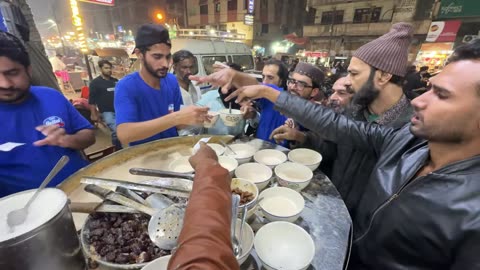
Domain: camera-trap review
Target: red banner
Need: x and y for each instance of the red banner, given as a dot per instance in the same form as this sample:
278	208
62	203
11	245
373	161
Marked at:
443	31
295	39
100	2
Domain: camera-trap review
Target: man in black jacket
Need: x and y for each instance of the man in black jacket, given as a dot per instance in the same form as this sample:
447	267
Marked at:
420	209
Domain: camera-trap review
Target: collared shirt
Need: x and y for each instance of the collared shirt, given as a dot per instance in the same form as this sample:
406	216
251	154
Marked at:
191	96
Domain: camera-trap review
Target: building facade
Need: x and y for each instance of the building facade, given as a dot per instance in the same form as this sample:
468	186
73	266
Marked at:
341	27
267	23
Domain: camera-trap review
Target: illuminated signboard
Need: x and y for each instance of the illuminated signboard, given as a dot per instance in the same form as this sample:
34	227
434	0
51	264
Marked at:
248	19
77	22
251	5
100	2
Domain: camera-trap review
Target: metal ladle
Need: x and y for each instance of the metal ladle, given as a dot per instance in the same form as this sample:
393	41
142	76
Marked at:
17	217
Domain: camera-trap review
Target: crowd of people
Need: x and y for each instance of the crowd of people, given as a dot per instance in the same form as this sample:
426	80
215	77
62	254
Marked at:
406	169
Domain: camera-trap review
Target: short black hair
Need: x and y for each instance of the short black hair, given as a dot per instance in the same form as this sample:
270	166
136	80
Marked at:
104	62
182	55
235	66
282	70
13	48
469	51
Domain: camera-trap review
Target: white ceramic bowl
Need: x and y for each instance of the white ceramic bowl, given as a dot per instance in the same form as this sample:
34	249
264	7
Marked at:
228	163
306	157
181	165
219	149
214	117
246	240
293	175
281	204
231	119
284	245
270	157
257	173
158	264
244	152
245	185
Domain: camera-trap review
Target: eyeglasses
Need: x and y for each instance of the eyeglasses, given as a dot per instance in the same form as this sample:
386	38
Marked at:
299	84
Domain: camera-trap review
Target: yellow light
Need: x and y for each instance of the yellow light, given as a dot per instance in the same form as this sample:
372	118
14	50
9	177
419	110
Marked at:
159	16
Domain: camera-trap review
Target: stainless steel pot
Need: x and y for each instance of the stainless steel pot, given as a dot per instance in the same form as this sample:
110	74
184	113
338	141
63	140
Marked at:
52	246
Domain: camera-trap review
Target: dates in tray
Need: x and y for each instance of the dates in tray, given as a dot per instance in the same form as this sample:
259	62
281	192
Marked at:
121	238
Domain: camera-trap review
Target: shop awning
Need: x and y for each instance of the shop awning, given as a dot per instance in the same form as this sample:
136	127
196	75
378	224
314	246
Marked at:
440	46
111	52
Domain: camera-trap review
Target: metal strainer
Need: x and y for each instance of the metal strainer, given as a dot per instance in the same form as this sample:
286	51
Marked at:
164	226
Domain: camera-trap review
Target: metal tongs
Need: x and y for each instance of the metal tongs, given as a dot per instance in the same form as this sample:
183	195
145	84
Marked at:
172	187
160	173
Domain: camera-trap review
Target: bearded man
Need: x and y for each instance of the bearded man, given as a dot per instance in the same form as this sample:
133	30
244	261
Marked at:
148	102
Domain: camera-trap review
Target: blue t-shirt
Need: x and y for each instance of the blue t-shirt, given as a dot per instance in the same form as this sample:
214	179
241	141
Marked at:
136	101
25	166
270	119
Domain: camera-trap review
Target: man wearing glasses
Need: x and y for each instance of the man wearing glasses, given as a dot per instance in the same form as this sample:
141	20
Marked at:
305	81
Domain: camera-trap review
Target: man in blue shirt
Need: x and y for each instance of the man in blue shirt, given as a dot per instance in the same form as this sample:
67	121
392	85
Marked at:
40	121
147	103
274	74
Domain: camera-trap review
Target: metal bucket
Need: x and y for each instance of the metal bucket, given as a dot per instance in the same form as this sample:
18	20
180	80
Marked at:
52	246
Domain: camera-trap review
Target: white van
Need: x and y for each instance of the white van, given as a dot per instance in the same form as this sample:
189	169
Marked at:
208	52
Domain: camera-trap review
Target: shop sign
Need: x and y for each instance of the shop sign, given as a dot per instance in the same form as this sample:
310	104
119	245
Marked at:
459	8
248	20
100	2
251	5
443	31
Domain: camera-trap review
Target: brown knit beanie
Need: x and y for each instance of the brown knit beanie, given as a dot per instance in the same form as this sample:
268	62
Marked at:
389	52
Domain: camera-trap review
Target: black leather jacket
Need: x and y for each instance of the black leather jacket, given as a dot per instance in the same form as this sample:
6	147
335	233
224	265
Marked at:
342	163
431	222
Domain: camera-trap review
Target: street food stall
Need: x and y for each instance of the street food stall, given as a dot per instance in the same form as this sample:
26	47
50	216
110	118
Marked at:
322	220
434	55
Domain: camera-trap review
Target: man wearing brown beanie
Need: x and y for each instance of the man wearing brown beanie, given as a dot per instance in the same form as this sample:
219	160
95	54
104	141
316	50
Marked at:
376	73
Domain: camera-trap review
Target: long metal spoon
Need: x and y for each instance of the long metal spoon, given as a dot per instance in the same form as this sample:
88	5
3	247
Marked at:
235	243
17	217
244	216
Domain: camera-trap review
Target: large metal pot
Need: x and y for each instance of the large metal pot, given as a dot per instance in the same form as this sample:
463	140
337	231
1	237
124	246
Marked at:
52	246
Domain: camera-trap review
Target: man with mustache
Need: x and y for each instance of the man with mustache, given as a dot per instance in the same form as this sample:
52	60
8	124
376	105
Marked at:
338	101
420	208
185	65
147	102
40	121
101	99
